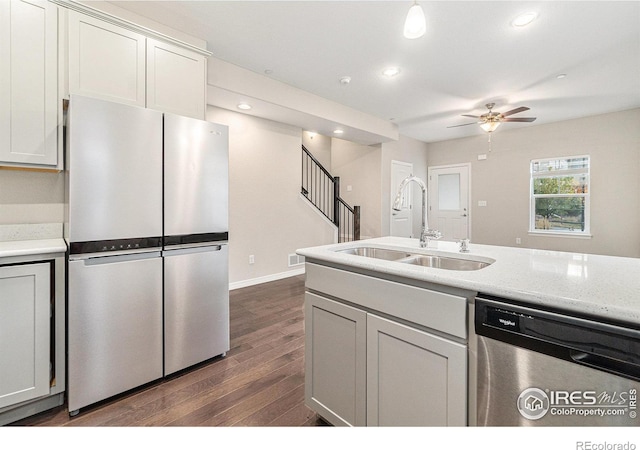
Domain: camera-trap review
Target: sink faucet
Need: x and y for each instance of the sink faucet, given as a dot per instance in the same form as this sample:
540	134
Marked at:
426	233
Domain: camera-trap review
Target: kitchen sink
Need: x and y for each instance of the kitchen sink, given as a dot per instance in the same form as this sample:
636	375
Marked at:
435	261
443	262
378	253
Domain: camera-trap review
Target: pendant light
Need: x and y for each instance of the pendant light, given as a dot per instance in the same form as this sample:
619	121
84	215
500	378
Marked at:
415	26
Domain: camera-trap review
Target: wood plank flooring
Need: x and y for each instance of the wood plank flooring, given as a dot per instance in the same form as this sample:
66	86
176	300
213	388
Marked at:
260	382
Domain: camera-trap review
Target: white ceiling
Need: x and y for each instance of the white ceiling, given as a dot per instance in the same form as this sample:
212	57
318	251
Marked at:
469	56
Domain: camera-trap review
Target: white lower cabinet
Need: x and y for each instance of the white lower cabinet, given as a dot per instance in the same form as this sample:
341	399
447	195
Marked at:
24	332
414	378
335	360
32	330
366	370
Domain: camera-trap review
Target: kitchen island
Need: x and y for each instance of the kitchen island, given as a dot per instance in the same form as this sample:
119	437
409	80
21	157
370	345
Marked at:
390	342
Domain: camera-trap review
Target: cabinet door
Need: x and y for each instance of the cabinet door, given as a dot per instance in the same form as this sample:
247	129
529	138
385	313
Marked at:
24	332
335	361
176	79
414	378
106	61
28	82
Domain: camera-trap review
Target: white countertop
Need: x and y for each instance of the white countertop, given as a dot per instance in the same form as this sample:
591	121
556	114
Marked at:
32	247
604	286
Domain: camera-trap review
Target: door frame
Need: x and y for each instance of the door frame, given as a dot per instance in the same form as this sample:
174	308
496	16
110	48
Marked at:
430	170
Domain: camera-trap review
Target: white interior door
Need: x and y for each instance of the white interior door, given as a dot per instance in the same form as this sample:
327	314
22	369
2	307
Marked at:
401	221
449	201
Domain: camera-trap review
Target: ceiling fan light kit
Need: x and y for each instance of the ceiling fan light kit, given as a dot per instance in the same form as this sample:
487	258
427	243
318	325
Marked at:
490	121
490	127
415	25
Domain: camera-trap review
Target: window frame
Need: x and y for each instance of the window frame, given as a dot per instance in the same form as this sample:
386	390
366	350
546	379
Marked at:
559	173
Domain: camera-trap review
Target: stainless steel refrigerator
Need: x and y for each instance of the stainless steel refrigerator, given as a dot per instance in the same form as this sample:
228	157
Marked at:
148	283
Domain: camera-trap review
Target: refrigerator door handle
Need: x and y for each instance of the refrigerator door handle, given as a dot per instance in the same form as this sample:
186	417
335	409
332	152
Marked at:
94	259
187	249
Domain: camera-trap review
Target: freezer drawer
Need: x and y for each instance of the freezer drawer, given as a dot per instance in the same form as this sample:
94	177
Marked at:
115	326
196	306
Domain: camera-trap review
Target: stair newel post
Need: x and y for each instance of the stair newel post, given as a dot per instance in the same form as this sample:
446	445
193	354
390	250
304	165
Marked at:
336	203
356	223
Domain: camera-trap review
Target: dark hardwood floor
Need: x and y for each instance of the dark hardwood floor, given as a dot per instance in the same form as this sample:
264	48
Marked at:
260	382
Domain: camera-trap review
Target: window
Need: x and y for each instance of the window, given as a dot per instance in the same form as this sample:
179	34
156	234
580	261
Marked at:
560	196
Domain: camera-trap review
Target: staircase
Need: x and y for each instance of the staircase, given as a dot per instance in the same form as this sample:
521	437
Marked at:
323	191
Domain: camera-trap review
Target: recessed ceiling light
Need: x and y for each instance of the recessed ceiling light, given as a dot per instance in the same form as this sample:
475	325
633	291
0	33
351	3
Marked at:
524	19
345	80
338	131
244	106
391	72
561	76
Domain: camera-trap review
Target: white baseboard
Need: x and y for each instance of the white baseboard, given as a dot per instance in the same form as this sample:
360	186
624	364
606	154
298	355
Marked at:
266	278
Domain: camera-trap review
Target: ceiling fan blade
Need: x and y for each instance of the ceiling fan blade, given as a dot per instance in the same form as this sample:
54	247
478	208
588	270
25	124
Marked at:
519	119
515	111
463	125
469	115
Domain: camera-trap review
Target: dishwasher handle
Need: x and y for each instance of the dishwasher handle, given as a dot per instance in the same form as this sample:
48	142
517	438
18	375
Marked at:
615	366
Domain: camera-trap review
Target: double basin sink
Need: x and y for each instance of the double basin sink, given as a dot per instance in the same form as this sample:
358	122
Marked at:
435	261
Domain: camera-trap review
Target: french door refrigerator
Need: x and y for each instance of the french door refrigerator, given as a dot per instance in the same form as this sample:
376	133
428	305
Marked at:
141	304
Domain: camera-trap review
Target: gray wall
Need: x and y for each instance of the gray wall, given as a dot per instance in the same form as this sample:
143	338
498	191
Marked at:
502	180
268	218
319	146
358	167
31	197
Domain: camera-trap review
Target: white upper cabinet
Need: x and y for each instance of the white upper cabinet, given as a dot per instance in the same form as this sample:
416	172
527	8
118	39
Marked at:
116	63
106	61
28	83
176	79
49	51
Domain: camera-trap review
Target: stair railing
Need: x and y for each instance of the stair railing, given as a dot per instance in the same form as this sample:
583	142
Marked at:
323	191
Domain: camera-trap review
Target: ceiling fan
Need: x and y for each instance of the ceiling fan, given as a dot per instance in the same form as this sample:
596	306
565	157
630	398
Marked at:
490	121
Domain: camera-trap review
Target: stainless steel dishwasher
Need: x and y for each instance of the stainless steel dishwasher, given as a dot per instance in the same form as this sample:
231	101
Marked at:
550	368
